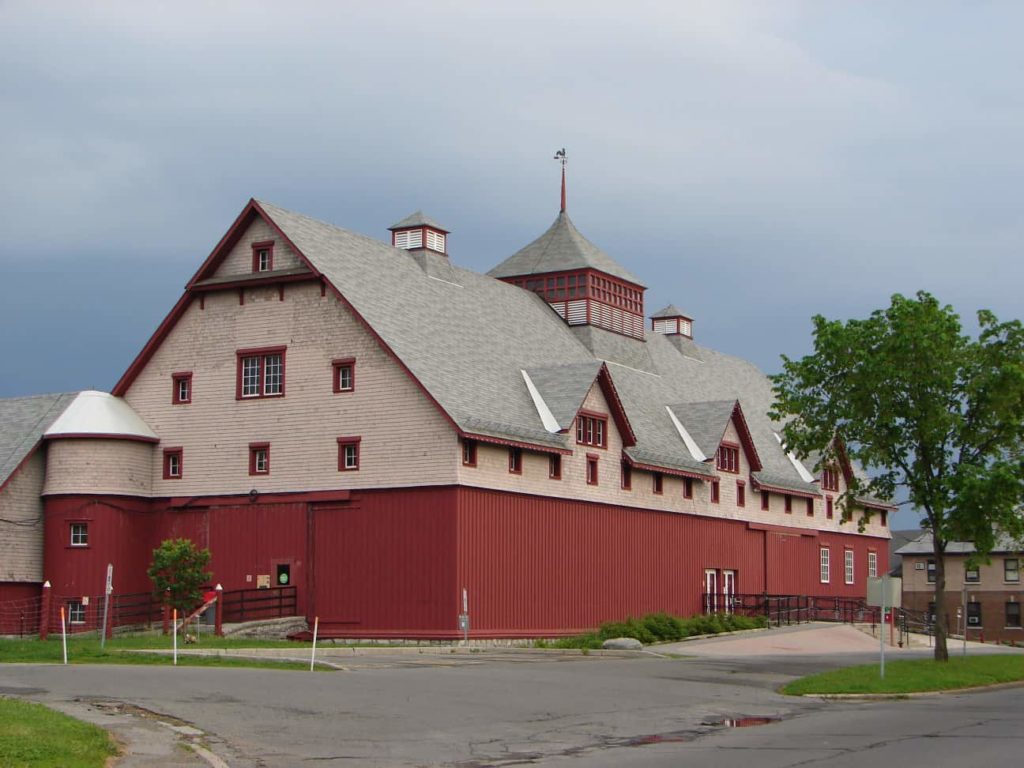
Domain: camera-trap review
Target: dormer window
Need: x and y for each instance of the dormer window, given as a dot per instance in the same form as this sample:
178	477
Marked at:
830	479
263	256
671	321
728	458
418	231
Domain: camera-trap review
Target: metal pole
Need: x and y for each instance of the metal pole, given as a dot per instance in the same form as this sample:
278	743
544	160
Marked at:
881	630
964	612
106	602
316	630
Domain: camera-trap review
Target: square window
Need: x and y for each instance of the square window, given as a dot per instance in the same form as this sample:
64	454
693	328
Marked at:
263	256
715	495
515	461
741	494
1013	615
765	500
468	452
181	390
79	534
1011	570
824	565
555	466
592	429
592	477
627	476
259	458
687	487
659	483
76	612
173	463
260	373
344	375
348	454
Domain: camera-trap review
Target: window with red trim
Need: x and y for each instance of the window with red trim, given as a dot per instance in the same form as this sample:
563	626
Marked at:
348	454
727	458
259	458
883	518
173	463
687	487
468	452
181	391
789	504
515	461
810	507
592	469
555	466
263	256
344	374
765	501
658	483
260	373
829	509
592	430
741	493
715	492
830	479
627	476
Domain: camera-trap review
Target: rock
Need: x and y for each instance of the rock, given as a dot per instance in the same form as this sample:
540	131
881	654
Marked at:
622	644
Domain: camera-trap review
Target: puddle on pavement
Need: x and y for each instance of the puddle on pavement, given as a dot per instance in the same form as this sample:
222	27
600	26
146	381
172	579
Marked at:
742	722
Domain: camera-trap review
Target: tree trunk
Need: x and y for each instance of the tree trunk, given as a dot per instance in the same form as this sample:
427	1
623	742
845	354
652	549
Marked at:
939	550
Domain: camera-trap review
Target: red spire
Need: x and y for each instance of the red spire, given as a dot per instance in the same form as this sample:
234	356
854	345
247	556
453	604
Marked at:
562	157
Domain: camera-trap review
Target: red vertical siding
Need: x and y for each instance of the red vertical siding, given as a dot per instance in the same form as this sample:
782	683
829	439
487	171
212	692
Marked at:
384	565
19	607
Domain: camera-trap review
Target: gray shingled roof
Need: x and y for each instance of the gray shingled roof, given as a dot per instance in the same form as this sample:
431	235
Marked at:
922	545
671	311
561	248
418	219
23	420
467	339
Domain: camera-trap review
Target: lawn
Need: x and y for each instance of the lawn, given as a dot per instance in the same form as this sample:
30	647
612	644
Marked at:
32	736
912	676
86	650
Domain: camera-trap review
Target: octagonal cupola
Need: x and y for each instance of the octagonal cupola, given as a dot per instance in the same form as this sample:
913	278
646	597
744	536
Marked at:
418	231
672	321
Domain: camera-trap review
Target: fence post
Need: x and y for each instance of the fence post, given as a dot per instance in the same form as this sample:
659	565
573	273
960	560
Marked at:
44	612
218	612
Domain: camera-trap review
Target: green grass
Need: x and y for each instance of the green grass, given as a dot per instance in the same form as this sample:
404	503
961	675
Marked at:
32	736
912	676
86	650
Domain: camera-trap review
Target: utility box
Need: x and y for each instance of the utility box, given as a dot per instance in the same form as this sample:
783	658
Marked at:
893	592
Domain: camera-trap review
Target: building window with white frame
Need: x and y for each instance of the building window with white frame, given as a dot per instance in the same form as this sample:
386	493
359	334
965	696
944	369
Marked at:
79	534
825	573
873	565
76	612
972	575
260	373
848	566
348	454
1011	570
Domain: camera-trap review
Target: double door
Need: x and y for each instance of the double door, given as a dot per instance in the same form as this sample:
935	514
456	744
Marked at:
719	590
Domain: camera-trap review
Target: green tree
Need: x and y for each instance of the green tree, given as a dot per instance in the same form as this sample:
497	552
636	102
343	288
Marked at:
178	573
923	407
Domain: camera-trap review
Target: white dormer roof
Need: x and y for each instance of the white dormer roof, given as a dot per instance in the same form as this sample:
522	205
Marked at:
100	414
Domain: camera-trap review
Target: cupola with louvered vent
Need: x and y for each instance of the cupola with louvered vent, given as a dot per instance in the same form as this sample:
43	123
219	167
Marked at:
418	231
672	321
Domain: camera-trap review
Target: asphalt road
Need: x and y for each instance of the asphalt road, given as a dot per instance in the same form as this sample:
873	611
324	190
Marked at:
508	709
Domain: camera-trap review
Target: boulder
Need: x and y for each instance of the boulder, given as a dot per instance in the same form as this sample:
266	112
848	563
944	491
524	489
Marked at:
622	644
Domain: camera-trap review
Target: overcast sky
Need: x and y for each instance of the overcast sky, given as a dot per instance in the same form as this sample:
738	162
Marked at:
754	163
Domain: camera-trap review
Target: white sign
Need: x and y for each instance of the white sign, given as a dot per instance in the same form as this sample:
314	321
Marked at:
893	597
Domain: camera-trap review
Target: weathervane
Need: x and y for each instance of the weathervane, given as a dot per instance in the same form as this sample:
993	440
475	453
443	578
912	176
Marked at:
563	158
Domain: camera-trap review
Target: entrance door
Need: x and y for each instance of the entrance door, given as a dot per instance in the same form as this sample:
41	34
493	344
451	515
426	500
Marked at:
728	590
710	590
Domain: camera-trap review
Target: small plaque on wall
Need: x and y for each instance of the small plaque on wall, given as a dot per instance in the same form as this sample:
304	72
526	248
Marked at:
263	581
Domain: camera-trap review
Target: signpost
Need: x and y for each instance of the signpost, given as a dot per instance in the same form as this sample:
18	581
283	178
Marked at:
881	593
464	617
107	591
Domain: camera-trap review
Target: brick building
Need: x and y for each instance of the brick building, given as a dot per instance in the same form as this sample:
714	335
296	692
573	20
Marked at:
382	429
993	589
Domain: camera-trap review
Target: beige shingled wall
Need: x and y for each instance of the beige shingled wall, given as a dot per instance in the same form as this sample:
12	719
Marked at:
492	472
97	465
405	439
239	258
21	546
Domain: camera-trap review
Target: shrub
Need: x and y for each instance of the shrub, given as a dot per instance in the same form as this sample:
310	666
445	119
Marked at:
660	627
